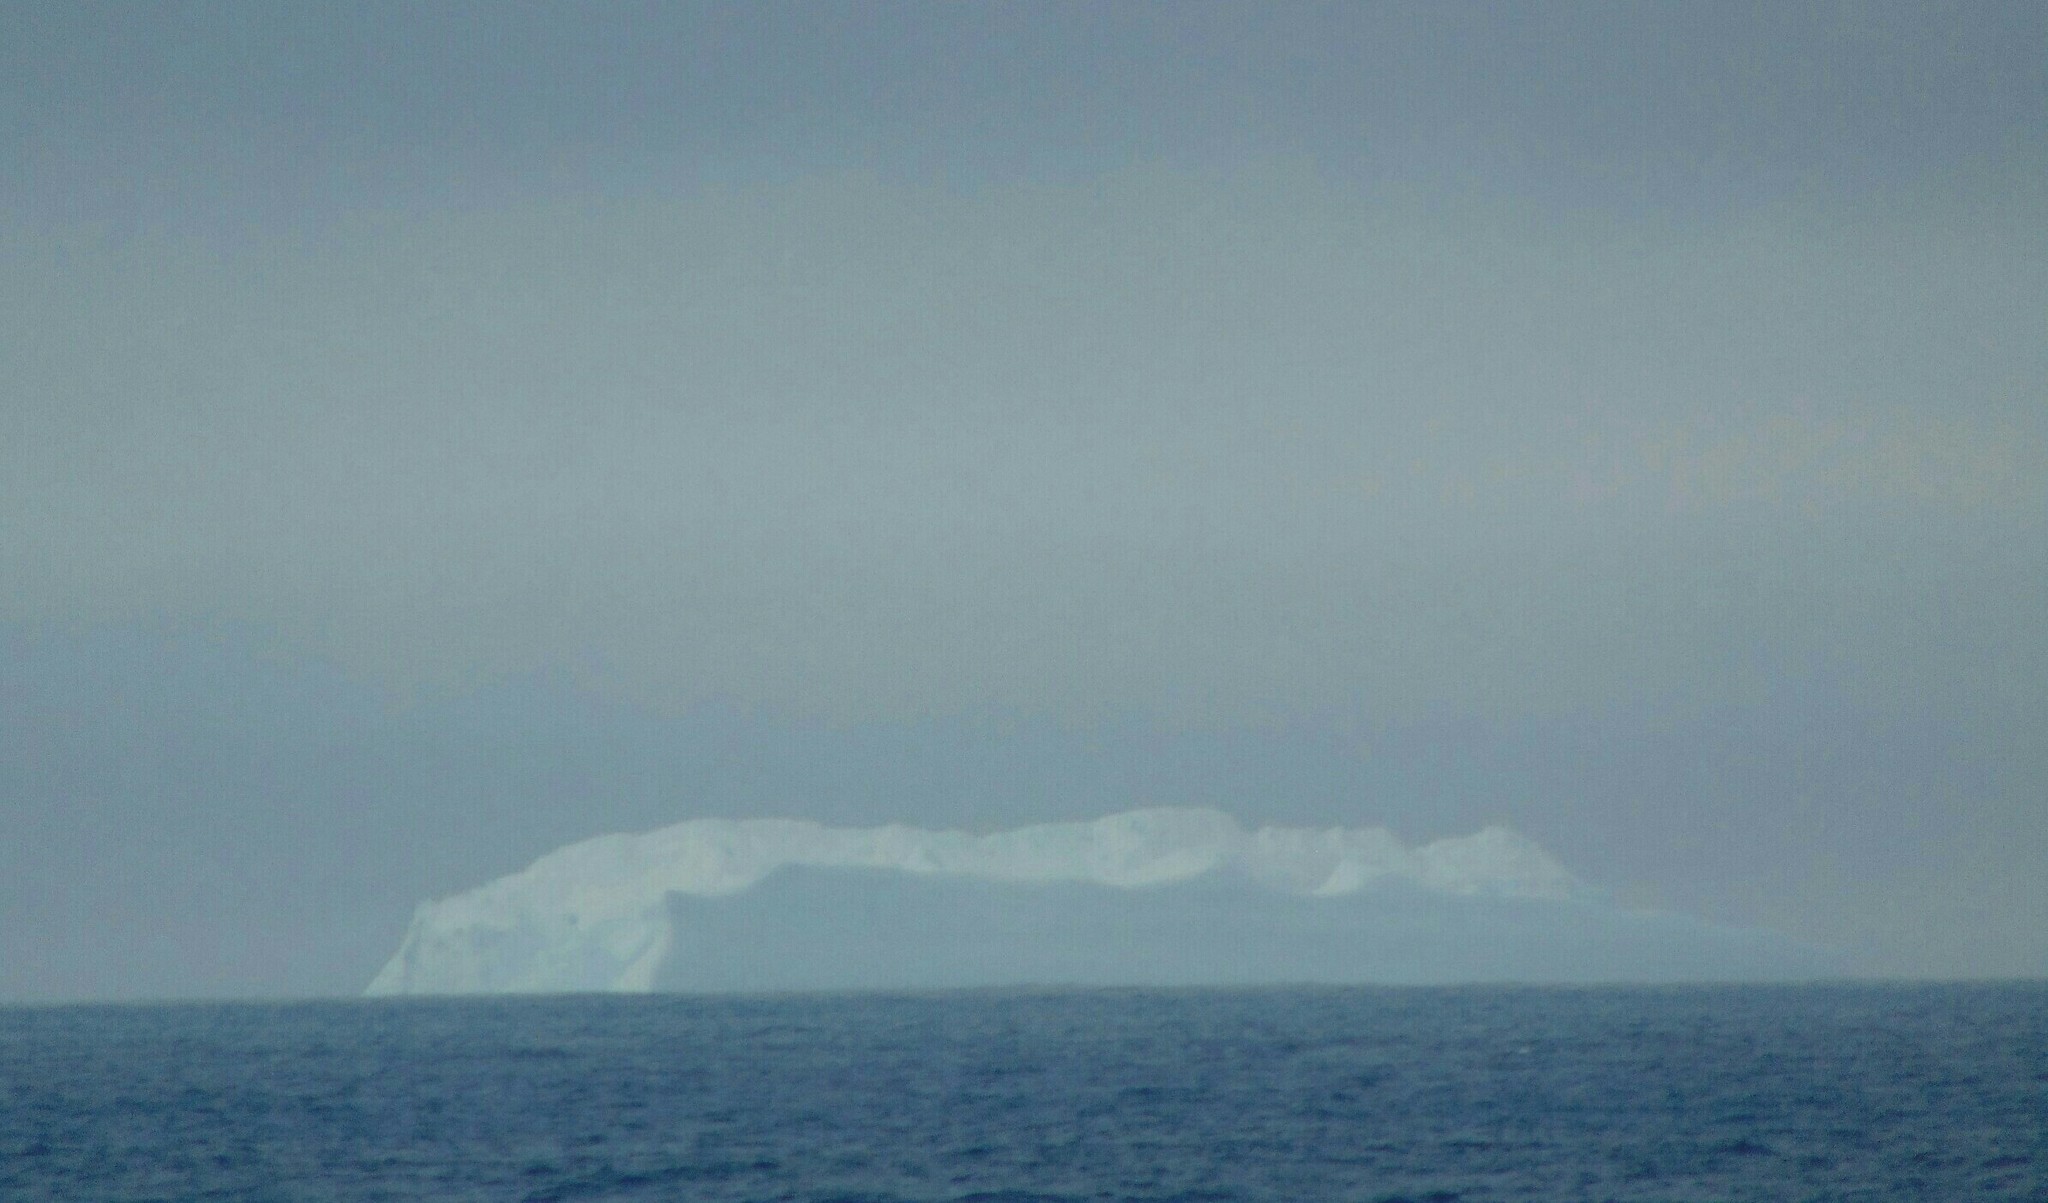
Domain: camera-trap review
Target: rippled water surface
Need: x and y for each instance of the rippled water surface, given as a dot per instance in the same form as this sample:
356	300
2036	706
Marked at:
1838	1092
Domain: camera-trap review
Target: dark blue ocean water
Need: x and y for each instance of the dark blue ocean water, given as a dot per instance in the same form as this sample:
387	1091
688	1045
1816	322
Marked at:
1836	1092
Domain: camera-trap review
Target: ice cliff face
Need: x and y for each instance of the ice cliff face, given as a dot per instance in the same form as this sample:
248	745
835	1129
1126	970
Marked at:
602	914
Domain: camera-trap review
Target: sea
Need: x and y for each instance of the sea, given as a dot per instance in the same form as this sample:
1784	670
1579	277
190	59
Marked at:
1828	1092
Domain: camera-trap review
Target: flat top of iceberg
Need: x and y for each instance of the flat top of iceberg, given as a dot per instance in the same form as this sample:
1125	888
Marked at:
1081	902
1133	849
595	911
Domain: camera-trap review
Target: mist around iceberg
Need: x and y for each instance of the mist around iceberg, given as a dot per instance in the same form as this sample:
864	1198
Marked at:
1161	897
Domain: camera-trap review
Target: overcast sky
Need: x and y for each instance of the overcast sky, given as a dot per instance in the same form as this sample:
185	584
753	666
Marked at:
431	434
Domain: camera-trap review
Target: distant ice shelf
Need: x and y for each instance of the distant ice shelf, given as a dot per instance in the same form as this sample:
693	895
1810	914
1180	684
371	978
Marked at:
1148	897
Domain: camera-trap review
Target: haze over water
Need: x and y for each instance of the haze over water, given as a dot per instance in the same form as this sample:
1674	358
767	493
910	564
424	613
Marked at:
433	436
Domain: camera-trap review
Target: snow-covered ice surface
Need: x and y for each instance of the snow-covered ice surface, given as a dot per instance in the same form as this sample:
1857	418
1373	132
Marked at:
792	904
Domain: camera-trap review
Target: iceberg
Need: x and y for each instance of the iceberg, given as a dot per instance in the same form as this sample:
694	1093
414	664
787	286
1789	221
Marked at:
1148	897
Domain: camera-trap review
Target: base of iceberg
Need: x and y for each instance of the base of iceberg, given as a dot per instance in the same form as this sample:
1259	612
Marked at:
855	929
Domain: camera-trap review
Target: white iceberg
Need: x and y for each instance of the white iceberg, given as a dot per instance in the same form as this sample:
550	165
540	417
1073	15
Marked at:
1164	896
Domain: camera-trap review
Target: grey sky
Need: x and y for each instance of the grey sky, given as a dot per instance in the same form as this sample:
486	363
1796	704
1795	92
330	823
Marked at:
430	435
